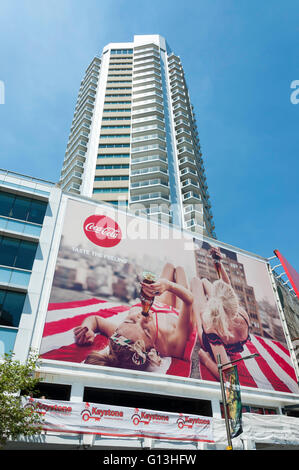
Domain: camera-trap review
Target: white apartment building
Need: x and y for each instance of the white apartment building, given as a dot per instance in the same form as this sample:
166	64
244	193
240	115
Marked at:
134	138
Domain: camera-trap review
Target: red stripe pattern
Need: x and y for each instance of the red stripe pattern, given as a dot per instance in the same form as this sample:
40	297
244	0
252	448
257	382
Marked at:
63	317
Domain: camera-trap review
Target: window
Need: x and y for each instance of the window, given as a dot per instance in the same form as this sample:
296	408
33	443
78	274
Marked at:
110	190
124	126
121	51
17	253
116	166
119	75
11	307
111	178
109	95
107	146
52	391
110	118
125	110
114	155
119	202
119	88
117	102
148	401
114	136
22	208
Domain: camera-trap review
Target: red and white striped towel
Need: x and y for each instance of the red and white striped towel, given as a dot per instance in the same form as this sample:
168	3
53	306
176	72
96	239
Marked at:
58	337
272	370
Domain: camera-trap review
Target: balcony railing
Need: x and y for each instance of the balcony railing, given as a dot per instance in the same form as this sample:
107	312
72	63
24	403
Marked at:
153	182
150	196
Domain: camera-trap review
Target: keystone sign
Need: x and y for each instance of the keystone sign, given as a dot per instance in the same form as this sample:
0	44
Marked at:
117	421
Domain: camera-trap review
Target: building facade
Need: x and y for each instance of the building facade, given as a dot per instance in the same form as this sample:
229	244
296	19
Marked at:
36	260
134	138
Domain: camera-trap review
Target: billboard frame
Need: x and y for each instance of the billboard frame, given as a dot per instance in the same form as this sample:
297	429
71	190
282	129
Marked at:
60	366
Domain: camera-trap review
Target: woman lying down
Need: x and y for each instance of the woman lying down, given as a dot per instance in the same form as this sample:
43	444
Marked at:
139	341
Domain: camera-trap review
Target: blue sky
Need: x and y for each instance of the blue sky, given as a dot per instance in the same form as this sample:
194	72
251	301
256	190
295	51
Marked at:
239	57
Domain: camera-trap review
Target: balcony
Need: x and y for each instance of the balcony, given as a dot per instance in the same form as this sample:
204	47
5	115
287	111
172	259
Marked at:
146	148
194	226
151	137
152	118
146	67
145	54
188	171
149	198
154	86
140	186
148	95
144	129
143	162
191	197
80	155
148	110
194	212
146	76
189	184
74	164
74	176
145	103
186	161
73	188
139	173
156	212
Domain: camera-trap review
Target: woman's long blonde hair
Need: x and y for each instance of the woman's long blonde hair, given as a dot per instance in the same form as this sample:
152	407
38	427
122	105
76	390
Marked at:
222	306
125	356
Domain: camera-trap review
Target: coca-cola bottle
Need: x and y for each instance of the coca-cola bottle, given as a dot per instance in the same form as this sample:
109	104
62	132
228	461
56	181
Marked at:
146	301
216	255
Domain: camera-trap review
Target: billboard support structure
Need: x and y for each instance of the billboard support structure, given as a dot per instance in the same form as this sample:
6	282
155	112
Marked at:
284	324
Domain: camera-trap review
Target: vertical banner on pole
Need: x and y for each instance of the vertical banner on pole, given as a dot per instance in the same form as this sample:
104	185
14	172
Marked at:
233	400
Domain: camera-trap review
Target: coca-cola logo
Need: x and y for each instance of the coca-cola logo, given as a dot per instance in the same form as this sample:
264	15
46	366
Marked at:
102	230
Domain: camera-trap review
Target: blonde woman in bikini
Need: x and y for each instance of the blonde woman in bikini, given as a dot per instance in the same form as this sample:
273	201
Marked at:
141	341
222	324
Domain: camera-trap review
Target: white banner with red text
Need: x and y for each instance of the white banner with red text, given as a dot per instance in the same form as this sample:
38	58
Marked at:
118	421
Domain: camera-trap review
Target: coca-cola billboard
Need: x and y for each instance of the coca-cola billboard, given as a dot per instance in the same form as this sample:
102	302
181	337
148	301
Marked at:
109	261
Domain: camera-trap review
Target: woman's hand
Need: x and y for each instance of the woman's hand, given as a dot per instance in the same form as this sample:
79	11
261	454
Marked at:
157	288
215	253
84	336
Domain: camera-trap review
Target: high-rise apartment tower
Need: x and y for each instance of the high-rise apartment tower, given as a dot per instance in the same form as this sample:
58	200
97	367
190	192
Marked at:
134	138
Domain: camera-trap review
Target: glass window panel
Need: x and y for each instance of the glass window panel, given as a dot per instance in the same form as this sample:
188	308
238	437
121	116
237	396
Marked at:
20	208
2	296
26	255
15	226
37	211
32	230
6	203
7	340
8	251
5	275
19	278
3	222
11	307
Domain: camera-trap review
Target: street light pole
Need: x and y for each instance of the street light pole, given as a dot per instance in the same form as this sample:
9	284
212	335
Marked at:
220	368
229	441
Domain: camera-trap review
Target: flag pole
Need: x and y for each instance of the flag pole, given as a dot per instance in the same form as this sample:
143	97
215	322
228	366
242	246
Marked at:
229	441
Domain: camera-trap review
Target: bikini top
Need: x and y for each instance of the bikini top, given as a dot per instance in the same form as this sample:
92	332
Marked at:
214	339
